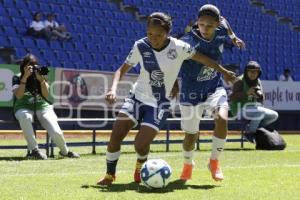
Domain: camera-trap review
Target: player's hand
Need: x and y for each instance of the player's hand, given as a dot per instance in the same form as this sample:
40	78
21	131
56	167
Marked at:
229	77
111	96
28	70
239	43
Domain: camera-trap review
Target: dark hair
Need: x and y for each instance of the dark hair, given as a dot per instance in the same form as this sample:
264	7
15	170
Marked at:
36	14
30	59
161	19
209	10
50	15
286	70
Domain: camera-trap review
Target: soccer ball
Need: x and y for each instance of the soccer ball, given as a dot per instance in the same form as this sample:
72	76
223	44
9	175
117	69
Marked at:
156	173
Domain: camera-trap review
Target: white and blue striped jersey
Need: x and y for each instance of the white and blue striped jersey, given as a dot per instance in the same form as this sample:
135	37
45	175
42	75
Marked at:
159	69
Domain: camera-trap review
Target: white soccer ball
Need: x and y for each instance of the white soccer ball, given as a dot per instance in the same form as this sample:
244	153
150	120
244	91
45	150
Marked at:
156	173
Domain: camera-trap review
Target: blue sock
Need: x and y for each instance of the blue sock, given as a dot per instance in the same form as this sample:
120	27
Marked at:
111	166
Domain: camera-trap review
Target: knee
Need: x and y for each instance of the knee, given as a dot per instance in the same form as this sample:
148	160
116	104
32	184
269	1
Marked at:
22	116
190	139
275	115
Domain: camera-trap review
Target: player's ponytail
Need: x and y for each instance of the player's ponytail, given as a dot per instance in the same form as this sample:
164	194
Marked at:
161	19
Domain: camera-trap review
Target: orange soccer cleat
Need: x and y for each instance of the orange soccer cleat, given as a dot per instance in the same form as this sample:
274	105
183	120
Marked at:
215	170
187	171
107	180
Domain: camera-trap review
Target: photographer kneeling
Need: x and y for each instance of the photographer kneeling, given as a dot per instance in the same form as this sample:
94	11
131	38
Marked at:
246	101
31	90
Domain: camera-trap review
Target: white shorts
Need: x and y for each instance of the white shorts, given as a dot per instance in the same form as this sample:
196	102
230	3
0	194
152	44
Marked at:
191	115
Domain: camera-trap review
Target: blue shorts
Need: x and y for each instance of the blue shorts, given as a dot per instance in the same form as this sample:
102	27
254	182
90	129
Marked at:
143	114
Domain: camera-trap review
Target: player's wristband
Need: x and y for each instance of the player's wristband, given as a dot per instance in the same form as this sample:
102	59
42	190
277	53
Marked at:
232	36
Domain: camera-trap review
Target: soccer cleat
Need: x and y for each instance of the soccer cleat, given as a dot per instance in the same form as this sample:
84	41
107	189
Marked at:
137	172
215	170
107	180
187	171
37	154
70	154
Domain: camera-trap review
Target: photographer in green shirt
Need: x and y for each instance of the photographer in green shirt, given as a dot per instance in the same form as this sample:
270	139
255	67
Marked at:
30	90
246	100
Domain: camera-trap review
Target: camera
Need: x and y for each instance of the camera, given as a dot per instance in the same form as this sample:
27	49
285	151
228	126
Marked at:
42	70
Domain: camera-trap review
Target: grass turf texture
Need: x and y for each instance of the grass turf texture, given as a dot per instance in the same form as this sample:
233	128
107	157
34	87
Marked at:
249	174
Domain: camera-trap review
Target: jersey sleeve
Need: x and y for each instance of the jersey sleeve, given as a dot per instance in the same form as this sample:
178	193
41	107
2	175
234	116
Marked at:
187	51
134	56
15	82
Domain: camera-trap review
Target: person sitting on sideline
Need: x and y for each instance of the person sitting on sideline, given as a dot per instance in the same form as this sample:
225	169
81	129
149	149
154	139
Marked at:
246	101
30	90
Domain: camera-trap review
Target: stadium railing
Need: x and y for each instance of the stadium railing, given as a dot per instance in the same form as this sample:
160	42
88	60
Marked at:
49	145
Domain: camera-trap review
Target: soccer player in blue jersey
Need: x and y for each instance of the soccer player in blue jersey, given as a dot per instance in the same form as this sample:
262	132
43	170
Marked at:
202	88
160	57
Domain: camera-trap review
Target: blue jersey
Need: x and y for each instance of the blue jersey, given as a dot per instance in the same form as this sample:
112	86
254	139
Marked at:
199	81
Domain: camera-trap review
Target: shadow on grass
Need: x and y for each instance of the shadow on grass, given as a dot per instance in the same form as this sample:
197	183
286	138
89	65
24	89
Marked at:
175	185
13	158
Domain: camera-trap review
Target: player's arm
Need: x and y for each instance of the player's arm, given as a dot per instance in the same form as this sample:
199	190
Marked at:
111	94
229	76
235	40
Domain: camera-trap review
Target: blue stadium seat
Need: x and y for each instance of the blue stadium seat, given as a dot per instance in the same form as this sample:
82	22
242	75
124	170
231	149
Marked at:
3	41
42	44
28	43
20	52
33	6
15	42
21	5
8	4
55	45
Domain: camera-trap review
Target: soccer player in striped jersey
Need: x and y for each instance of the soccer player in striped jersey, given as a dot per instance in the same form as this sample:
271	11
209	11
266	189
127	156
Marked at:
202	88
160	57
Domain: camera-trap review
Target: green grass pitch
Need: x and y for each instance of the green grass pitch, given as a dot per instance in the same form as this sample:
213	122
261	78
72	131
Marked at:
249	175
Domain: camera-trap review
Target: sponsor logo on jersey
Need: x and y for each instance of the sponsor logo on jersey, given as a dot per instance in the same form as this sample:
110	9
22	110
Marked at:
206	74
172	54
147	54
157	78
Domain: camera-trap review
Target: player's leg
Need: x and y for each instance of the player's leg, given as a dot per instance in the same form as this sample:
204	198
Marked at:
25	118
153	120
126	120
120	129
190	118
142	143
218	103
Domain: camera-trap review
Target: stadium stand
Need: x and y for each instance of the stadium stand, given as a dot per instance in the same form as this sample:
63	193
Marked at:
103	33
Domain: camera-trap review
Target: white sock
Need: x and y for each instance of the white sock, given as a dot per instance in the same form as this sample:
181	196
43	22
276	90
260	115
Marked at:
140	157
217	147
113	156
188	156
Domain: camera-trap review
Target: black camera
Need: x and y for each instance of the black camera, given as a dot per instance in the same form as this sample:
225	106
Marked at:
42	70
